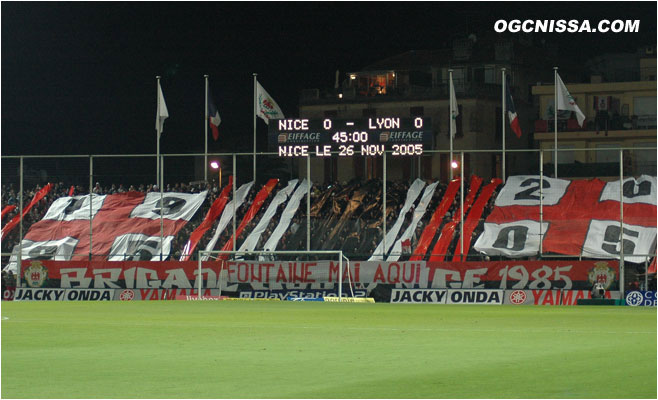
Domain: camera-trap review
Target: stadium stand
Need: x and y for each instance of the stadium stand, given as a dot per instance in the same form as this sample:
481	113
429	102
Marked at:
344	216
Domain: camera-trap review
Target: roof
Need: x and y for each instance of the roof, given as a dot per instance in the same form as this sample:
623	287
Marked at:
412	59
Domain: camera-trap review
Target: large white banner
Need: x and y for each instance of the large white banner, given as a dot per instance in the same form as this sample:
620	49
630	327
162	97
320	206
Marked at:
581	218
286	217
67	232
282	195
419	211
174	206
73	208
412	195
514	239
641	190
604	240
523	190
140	247
58	250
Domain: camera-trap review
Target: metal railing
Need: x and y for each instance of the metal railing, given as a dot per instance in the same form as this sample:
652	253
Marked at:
388	177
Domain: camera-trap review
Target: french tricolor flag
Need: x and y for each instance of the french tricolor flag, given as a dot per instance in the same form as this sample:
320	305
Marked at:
214	118
511	112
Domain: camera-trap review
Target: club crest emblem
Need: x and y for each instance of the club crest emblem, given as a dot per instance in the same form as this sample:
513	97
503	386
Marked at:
602	273
36	274
267	108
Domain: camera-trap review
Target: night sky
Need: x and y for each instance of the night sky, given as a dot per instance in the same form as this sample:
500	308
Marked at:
79	78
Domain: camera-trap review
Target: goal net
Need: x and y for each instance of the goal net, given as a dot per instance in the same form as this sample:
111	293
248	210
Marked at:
276	274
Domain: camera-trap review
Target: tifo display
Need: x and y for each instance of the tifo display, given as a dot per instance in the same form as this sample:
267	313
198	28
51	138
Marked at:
578	218
135	241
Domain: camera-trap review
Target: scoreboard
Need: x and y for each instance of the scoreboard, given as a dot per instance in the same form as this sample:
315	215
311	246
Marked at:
354	137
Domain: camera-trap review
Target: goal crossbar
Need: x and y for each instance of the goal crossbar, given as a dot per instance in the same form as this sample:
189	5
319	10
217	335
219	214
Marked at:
216	254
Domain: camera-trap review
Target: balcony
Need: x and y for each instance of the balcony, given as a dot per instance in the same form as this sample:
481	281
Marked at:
615	123
356	94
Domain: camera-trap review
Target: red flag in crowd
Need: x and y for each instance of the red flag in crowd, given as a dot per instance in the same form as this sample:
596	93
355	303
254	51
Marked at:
7	210
37	197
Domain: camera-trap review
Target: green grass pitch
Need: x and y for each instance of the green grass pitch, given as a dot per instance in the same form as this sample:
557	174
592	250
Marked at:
178	349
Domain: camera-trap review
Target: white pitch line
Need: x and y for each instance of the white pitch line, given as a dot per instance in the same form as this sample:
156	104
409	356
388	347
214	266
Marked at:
488	330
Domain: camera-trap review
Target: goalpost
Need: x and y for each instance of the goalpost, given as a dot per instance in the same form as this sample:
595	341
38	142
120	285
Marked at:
218	259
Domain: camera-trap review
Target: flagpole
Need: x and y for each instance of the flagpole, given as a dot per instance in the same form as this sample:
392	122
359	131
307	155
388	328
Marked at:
451	89
158	131
255	108
161	183
19	264
503	119
461	216
555	127
621	223
205	135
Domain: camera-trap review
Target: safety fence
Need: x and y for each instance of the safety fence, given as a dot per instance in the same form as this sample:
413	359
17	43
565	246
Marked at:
463	206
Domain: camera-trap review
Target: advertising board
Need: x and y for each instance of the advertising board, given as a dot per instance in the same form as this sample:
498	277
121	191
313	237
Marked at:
447	296
300	293
8	293
43	294
550	297
637	298
508	297
162	294
432	296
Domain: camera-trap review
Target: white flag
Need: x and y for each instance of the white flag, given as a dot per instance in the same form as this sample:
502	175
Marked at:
454	110
566	102
266	107
161	113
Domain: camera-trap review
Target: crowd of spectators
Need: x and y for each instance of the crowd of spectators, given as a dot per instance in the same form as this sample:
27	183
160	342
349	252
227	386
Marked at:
10	197
344	215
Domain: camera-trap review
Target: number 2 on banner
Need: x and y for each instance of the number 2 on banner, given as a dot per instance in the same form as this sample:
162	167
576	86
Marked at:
531	193
525	191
